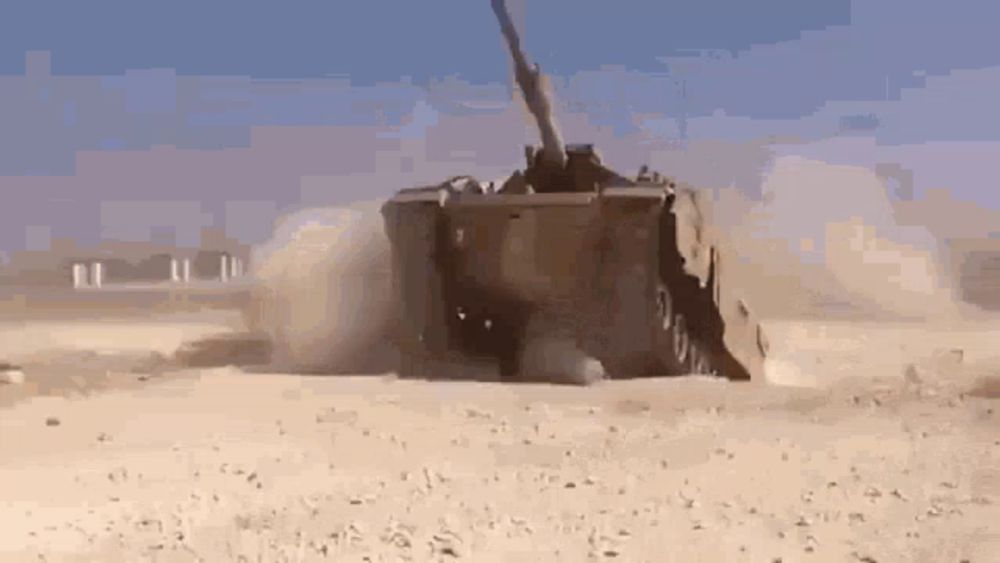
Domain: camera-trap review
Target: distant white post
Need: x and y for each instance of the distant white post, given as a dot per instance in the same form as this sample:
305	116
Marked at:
97	274
175	274
223	268
234	270
79	275
187	270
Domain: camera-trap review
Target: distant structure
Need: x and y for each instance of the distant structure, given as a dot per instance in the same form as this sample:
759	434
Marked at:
97	274
229	268
79	276
66	263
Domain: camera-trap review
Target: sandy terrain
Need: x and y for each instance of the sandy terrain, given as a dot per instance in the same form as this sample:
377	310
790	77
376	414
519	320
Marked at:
110	453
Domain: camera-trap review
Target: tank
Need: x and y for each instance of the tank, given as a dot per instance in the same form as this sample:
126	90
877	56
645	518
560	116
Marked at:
620	268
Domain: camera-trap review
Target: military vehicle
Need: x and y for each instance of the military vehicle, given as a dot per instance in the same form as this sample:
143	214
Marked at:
566	247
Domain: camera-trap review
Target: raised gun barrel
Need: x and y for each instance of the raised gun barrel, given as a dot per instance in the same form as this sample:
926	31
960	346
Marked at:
529	79
557	167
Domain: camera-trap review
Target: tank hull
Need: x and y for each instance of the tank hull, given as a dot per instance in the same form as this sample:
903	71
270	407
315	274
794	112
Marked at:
481	275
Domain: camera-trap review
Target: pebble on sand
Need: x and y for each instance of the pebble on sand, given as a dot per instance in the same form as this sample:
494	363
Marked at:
11	375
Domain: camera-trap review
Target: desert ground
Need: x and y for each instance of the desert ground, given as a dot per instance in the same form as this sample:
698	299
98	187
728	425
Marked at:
870	442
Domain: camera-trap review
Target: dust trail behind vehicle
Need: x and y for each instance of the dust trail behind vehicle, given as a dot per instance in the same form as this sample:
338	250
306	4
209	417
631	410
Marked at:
322	290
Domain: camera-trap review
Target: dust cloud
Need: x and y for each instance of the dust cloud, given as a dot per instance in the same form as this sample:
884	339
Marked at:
824	240
845	290
550	357
323	290
822	243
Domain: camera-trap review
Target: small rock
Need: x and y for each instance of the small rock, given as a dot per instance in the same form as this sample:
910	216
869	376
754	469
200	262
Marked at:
447	543
11	376
52	421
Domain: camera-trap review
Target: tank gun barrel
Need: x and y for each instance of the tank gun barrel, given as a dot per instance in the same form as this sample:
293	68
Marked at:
530	81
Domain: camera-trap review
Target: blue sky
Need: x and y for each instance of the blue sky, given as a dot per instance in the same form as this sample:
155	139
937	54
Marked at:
382	40
770	59
202	76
